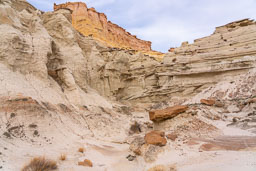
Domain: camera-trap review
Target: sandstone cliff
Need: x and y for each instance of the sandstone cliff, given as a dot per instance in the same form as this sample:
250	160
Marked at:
92	23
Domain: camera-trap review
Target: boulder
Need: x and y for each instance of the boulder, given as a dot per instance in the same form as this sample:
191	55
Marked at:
170	112
155	138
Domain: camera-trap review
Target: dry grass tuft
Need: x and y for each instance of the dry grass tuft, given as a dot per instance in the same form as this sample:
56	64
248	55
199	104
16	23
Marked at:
81	150
40	164
63	157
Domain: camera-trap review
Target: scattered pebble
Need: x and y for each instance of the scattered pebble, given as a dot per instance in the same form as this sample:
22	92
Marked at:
131	157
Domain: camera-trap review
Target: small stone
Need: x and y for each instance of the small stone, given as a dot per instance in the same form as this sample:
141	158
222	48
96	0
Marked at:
137	152
13	115
135	128
7	134
172	136
86	163
32	126
36	133
235	119
131	157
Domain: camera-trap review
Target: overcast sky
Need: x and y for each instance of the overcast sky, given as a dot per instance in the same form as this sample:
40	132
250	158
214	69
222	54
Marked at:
167	23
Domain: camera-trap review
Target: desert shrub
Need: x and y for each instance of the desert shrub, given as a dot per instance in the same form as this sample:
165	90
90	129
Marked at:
63	157
40	164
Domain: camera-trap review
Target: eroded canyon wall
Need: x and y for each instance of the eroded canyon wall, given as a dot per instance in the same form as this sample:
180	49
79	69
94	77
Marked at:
92	23
185	71
78	62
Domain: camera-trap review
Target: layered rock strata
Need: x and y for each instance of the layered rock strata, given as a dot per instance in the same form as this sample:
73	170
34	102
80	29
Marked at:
92	23
186	71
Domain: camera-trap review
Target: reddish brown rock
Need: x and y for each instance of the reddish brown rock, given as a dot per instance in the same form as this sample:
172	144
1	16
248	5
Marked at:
208	102
170	112
86	163
172	136
155	138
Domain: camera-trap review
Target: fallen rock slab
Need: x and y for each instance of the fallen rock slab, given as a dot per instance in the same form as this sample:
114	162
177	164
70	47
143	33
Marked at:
209	102
170	112
155	138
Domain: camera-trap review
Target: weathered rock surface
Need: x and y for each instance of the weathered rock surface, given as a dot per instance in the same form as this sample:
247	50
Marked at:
231	143
45	100
131	76
183	73
170	112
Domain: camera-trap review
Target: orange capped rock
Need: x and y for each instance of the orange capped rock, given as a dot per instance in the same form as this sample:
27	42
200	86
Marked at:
170	112
89	22
155	138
